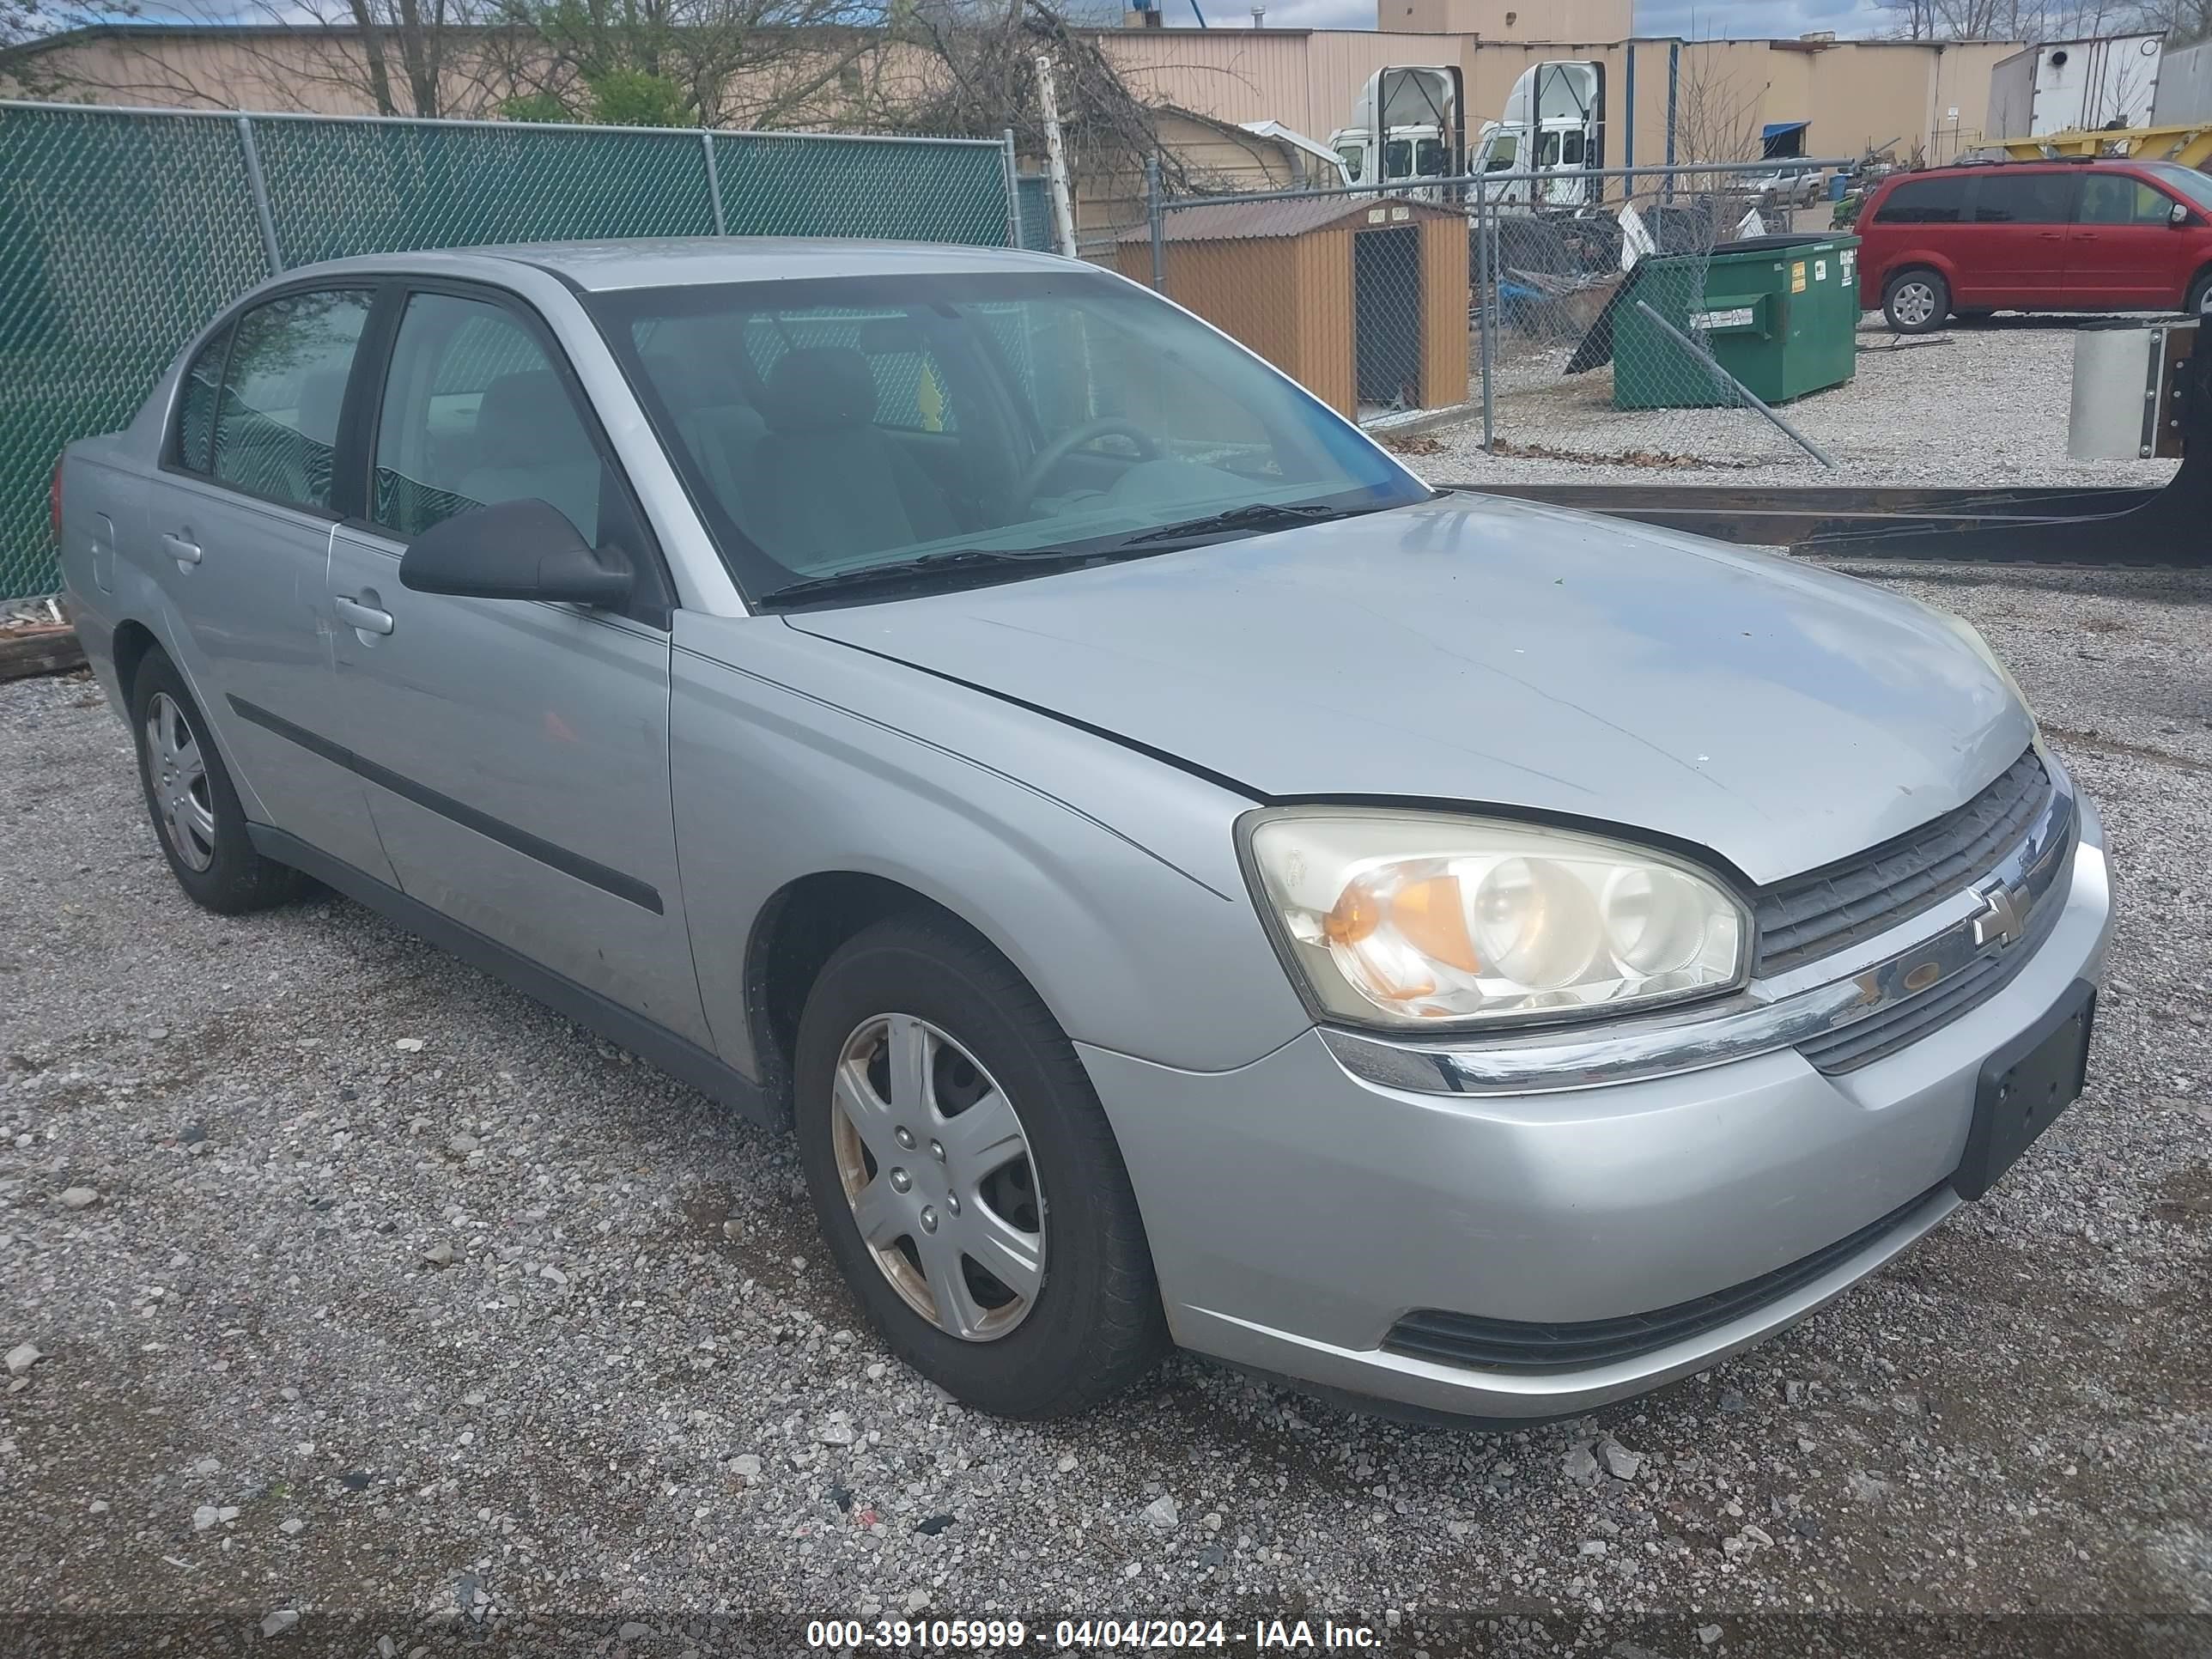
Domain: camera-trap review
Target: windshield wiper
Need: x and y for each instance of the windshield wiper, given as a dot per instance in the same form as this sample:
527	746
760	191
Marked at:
1256	515
900	571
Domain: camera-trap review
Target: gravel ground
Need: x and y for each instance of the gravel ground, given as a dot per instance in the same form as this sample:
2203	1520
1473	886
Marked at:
1979	405
636	1412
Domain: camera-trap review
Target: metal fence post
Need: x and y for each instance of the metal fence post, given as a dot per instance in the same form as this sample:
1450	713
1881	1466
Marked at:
1697	350
1014	237
714	181
1156	217
1485	242
259	186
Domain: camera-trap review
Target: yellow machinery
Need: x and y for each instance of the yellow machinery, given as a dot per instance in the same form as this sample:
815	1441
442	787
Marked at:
2191	145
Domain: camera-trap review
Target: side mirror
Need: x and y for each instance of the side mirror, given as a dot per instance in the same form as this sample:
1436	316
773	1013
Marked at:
2176	216
514	550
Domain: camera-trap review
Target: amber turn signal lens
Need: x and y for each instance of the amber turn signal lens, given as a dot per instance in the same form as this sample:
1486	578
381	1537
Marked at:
1432	916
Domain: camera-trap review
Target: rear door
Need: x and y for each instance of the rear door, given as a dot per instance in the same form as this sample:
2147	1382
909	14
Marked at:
239	528
2124	252
2014	252
515	752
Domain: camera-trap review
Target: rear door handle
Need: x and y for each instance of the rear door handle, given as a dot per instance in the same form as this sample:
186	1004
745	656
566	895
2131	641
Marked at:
368	618
179	549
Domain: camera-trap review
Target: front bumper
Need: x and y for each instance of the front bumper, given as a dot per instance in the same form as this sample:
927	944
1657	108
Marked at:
1298	1209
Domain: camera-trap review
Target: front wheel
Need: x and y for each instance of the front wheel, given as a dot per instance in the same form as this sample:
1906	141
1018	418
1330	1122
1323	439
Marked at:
965	1177
2199	300
1916	301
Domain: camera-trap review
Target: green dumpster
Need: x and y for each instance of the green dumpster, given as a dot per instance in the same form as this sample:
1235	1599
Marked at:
1780	314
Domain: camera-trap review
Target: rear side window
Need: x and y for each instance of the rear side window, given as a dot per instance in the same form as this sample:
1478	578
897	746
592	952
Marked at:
2026	198
277	420
1938	201
195	405
2114	198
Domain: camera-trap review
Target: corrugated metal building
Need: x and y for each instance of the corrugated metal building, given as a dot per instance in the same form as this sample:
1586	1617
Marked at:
1363	302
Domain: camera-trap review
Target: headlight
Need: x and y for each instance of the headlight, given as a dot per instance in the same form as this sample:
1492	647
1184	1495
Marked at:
1414	919
1980	647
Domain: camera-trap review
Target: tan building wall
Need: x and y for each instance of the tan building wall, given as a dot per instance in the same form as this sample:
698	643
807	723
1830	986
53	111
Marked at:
1853	93
1511	20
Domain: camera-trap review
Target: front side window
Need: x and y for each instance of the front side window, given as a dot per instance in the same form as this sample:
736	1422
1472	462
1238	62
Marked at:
2115	198
1354	157
2188	183
1503	149
474	413
275	429
827	426
1937	201
2026	198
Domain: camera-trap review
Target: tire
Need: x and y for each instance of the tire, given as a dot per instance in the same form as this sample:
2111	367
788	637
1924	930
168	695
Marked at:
2199	298
196	814
1087	1323
1916	301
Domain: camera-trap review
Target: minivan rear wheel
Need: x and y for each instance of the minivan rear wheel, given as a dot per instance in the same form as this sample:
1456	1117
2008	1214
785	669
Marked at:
1916	301
966	1180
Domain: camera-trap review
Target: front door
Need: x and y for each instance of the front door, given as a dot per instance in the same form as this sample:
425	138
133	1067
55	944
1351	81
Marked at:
239	526
2125	250
2014	252
516	753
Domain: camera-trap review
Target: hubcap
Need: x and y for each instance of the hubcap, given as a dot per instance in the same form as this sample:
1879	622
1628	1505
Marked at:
1916	302
935	1165
178	775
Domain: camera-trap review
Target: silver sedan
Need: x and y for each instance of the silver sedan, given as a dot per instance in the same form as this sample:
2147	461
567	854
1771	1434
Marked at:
1181	877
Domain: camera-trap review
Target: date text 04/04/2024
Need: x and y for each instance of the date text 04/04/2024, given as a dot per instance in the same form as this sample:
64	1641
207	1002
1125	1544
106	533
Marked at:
939	1635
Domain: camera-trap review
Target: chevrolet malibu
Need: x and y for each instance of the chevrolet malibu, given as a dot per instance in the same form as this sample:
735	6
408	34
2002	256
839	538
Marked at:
1180	878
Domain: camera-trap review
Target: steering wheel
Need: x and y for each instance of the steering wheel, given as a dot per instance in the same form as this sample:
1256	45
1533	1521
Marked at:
1069	442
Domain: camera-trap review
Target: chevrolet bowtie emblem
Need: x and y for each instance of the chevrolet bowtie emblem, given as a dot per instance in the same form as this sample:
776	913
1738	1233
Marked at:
2003	916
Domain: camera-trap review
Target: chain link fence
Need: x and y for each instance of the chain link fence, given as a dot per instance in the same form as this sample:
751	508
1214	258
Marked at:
122	231
1651	316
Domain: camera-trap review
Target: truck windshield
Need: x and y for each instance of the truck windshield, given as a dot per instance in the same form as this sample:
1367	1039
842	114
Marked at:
1398	158
1428	158
823	427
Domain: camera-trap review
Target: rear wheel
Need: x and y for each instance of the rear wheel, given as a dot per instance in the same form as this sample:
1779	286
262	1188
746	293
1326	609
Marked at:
966	1180
1916	301
197	817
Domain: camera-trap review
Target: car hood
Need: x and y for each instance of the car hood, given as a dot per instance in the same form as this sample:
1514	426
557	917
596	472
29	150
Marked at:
1478	651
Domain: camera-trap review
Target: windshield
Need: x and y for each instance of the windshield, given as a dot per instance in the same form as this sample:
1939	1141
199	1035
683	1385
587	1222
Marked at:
2187	180
827	426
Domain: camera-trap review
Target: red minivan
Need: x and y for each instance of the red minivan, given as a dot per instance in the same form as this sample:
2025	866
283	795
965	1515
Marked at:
2036	236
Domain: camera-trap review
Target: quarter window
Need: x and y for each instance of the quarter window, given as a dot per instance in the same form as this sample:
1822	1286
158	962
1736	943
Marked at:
275	427
2114	198
1938	201
195	405
474	413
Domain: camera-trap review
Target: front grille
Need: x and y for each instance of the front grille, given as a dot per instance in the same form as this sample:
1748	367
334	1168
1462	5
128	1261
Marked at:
1907	1022
1510	1345
1825	909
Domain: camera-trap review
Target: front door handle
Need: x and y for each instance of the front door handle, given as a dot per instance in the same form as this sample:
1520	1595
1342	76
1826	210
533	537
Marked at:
365	618
181	550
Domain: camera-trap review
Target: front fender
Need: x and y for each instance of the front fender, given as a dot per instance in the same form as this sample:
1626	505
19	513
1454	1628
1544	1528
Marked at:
1107	876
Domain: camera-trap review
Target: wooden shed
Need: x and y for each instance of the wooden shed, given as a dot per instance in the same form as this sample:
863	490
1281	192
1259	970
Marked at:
1360	299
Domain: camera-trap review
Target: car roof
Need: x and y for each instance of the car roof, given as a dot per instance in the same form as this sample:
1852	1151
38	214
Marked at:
676	261
2043	163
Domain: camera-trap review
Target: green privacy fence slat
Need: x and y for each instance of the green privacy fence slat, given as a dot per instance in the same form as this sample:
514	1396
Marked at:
1036	213
121	232
345	187
118	238
774	185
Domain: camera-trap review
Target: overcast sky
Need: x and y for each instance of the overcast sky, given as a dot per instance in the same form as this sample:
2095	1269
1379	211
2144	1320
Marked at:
1756	19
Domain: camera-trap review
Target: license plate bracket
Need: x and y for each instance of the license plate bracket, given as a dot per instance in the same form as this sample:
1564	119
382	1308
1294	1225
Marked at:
2024	1086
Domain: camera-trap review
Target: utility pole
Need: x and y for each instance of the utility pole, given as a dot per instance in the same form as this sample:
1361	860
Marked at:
1063	213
